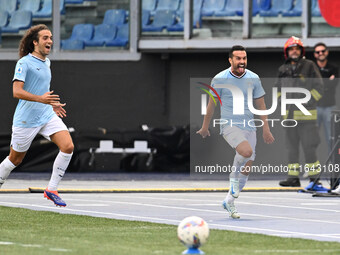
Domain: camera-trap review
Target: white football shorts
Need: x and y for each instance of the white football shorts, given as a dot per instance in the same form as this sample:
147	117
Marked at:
234	136
22	137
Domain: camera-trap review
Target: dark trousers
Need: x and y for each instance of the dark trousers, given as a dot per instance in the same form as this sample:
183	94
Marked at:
307	134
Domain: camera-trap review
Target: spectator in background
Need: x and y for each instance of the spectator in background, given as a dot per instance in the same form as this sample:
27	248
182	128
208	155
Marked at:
299	72
326	104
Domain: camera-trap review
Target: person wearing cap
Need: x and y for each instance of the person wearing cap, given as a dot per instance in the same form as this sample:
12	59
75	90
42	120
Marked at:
299	72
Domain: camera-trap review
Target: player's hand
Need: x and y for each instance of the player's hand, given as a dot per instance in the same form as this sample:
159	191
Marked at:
203	132
49	98
268	138
59	110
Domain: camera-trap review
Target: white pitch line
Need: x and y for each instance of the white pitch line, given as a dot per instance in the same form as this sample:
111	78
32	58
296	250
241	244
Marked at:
34	246
211	211
276	231
177	221
269	196
6	243
240	202
92	205
320	204
242	196
59	249
55	209
289	206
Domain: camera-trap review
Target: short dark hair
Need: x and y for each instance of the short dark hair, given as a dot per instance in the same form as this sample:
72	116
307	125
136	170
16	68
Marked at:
236	48
320	44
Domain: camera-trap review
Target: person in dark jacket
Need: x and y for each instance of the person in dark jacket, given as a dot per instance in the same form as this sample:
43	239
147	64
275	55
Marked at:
330	75
301	73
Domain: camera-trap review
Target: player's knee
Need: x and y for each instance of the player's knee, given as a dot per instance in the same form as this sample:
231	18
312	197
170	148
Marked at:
247	153
68	148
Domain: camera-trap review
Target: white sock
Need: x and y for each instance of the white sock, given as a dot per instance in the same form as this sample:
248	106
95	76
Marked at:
242	181
239	161
6	168
59	167
229	198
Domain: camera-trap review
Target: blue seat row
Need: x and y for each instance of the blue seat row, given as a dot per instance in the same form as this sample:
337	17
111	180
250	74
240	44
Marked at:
78	1
167	19
153	5
19	20
39	8
114	31
265	8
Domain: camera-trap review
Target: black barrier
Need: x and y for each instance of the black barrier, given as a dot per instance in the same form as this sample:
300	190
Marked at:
170	146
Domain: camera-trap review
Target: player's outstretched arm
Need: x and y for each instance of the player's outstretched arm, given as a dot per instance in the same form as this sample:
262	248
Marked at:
267	135
204	131
47	98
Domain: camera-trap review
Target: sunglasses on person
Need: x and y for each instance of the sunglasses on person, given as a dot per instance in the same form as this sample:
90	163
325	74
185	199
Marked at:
320	51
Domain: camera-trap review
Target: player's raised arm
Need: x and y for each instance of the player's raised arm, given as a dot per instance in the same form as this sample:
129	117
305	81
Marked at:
204	131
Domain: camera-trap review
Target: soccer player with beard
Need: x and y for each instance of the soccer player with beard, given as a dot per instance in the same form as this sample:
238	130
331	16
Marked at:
237	132
38	110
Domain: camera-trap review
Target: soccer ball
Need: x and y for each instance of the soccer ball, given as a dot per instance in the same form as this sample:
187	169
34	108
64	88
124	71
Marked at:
193	232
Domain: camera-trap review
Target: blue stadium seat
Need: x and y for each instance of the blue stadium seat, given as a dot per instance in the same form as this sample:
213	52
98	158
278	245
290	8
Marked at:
212	6
197	5
145	18
167	5
74	1
316	9
19	20
102	33
29	5
149	5
3	18
231	8
122	38
162	20
258	5
72	45
80	32
8	5
46	10
197	21
296	11
115	17
80	2
277	7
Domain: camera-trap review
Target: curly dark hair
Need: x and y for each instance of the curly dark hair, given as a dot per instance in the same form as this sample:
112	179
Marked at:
26	44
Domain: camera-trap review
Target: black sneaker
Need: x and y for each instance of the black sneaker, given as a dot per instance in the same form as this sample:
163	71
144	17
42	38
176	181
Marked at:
290	182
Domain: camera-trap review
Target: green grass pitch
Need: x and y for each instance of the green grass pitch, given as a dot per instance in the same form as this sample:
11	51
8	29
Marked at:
25	231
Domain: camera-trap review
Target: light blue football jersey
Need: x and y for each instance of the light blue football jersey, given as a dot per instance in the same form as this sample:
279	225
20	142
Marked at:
248	80
36	75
